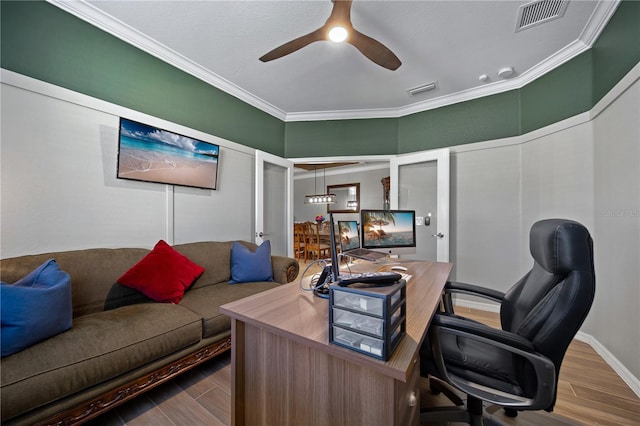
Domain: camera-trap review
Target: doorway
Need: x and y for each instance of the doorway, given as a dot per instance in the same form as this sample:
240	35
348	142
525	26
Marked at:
420	182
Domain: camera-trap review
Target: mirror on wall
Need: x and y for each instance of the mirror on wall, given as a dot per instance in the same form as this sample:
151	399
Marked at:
347	198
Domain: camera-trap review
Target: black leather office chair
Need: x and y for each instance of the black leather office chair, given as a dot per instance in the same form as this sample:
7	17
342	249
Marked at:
516	367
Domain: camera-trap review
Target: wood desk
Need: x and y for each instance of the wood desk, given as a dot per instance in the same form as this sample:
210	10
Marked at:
285	372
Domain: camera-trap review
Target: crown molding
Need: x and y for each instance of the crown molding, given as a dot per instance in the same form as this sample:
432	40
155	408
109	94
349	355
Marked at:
88	13
599	19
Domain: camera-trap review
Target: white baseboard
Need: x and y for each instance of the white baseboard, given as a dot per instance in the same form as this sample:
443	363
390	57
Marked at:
632	381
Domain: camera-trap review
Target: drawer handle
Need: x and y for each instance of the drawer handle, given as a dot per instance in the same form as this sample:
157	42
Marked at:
413	400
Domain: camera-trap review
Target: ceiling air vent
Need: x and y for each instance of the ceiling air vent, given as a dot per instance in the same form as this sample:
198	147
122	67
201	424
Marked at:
538	12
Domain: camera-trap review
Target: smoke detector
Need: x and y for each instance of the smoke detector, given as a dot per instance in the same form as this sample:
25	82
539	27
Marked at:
506	72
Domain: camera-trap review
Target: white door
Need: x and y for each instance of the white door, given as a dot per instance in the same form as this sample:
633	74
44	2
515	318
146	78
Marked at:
274	203
420	182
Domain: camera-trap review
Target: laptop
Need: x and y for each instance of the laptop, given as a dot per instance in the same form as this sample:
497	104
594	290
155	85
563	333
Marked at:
349	237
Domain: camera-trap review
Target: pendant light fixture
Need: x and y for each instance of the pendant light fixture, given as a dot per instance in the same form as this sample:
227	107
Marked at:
319	198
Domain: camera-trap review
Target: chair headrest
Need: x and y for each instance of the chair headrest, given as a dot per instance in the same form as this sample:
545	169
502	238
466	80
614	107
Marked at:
561	245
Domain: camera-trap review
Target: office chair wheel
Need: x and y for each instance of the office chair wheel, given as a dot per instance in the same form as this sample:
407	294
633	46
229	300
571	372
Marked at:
510	412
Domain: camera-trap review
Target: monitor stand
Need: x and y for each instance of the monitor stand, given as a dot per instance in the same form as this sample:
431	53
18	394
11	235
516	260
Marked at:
330	272
322	287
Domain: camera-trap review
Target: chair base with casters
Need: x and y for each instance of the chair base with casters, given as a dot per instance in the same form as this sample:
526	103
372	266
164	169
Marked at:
515	367
472	412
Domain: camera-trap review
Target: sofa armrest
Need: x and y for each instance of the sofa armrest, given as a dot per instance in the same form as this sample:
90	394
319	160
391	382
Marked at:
285	269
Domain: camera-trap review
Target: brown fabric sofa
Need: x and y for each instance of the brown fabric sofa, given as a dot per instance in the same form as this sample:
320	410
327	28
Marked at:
108	357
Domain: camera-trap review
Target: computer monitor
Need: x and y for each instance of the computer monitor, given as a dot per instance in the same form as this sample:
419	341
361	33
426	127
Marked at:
349	234
389	231
330	272
335	266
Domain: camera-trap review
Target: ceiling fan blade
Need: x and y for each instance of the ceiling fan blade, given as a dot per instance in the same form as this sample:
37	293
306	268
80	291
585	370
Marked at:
341	12
340	15
294	45
374	50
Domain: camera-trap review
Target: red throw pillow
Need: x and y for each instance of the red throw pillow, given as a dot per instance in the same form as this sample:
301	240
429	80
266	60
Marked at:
163	274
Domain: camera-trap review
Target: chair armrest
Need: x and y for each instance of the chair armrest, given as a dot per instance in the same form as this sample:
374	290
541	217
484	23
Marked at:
481	330
475	290
285	269
543	367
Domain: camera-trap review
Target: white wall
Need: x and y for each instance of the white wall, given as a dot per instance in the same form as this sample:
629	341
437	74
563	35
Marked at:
586	168
370	191
486	237
59	191
501	188
615	320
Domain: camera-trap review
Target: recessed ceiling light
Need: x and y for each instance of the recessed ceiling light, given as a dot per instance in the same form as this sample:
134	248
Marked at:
483	77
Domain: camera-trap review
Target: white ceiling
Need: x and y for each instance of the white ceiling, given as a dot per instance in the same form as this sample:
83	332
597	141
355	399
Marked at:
450	42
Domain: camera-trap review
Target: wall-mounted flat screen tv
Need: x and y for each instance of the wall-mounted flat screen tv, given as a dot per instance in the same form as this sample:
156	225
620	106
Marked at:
151	154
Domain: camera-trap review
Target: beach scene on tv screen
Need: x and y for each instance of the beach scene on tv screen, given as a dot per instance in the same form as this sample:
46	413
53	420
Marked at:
155	155
386	229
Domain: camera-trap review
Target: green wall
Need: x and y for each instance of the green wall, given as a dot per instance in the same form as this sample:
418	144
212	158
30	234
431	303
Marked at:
568	90
341	137
44	42
559	94
41	41
480	119
617	49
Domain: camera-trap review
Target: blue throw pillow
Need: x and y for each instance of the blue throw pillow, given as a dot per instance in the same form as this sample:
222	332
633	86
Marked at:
35	307
248	266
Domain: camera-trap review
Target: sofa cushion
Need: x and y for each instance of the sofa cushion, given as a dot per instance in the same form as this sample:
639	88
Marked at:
206	301
162	275
251	266
121	295
35	307
214	257
92	272
99	347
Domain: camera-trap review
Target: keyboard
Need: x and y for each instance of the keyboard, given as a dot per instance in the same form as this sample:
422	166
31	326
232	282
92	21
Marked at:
379	278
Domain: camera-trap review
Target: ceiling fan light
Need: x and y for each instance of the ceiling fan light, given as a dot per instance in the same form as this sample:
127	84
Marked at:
338	34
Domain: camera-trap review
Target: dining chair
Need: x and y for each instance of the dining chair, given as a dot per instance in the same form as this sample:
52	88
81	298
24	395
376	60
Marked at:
299	241
314	247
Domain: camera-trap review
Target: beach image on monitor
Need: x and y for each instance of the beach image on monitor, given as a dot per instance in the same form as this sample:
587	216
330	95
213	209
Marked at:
349	236
388	228
150	154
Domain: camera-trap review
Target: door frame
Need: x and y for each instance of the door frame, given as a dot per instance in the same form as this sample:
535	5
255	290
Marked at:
260	160
442	157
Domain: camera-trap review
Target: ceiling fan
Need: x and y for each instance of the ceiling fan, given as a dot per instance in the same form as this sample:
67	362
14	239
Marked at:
339	25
